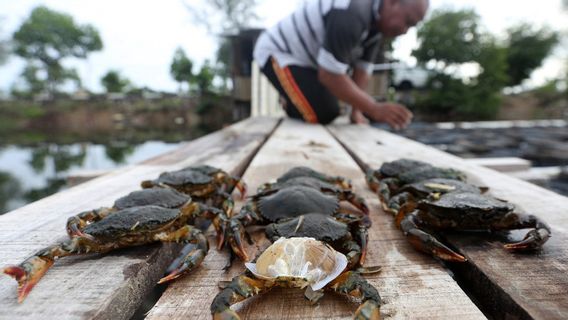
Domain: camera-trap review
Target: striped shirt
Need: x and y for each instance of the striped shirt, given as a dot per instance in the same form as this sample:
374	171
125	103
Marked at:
332	34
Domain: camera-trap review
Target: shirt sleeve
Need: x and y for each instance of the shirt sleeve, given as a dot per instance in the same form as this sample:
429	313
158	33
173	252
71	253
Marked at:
369	57
343	32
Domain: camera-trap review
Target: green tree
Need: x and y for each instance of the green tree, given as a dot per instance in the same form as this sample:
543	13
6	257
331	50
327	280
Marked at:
4	50
114	82
204	78
47	37
448	40
181	68
527	47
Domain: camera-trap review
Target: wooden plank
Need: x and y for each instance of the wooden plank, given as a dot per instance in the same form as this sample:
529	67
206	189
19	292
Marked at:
110	286
507	285
412	285
507	164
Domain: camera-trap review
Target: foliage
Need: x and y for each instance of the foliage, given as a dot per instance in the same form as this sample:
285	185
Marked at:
452	38
10	188
449	37
204	79
114	82
47	37
527	47
181	68
4	50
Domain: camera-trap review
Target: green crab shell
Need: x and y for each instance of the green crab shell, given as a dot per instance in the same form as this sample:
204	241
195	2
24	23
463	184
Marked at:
314	225
309	182
294	201
299	262
183	177
301	172
162	197
425	173
472	204
439	185
398	167
132	221
205	169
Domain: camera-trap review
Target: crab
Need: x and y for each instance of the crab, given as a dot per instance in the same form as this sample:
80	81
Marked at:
202	182
407	195
317	184
109	230
456	211
279	204
388	179
298	263
162	197
301	171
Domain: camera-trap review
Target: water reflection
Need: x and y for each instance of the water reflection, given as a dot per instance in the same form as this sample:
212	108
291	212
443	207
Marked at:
28	173
9	187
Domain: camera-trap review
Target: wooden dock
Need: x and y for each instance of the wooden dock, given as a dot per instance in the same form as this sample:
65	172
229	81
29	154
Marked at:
492	284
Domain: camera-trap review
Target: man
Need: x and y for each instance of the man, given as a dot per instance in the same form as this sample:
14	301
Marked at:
324	52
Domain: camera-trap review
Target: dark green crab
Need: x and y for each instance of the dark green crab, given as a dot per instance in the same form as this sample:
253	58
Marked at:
202	183
391	176
317	184
109	229
275	205
161	197
468	211
301	171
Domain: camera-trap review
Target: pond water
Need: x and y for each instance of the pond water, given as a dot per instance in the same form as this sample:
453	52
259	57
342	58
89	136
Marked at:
29	173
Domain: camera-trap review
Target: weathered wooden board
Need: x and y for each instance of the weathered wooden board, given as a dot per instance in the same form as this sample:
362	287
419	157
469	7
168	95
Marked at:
110	286
413	286
508	286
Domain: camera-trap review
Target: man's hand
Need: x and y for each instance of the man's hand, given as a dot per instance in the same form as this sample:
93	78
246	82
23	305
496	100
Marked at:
396	115
357	117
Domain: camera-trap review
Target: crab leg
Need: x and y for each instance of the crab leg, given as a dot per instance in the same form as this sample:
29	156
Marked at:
219	218
236	230
76	224
534	239
357	201
241	287
351	283
30	271
397	201
191	255
424	241
232	182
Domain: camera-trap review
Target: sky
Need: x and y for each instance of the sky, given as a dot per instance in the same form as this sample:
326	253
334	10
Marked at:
140	36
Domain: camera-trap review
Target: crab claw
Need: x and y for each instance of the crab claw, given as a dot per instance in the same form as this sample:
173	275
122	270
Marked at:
28	274
533	240
236	235
369	310
226	314
191	256
242	186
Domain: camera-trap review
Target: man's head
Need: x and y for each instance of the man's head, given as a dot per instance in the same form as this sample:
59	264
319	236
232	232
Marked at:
397	16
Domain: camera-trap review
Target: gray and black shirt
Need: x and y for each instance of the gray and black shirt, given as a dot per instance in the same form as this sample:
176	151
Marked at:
332	34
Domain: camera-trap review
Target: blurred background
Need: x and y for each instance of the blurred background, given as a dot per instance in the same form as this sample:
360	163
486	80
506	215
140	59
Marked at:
89	86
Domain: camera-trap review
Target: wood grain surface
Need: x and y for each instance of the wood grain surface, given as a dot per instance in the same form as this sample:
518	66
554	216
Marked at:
413	286
508	286
110	286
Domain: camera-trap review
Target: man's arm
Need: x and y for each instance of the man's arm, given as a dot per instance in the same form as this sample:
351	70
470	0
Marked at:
345	89
361	79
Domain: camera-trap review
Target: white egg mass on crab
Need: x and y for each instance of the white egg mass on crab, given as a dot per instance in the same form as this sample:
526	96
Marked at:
299	262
